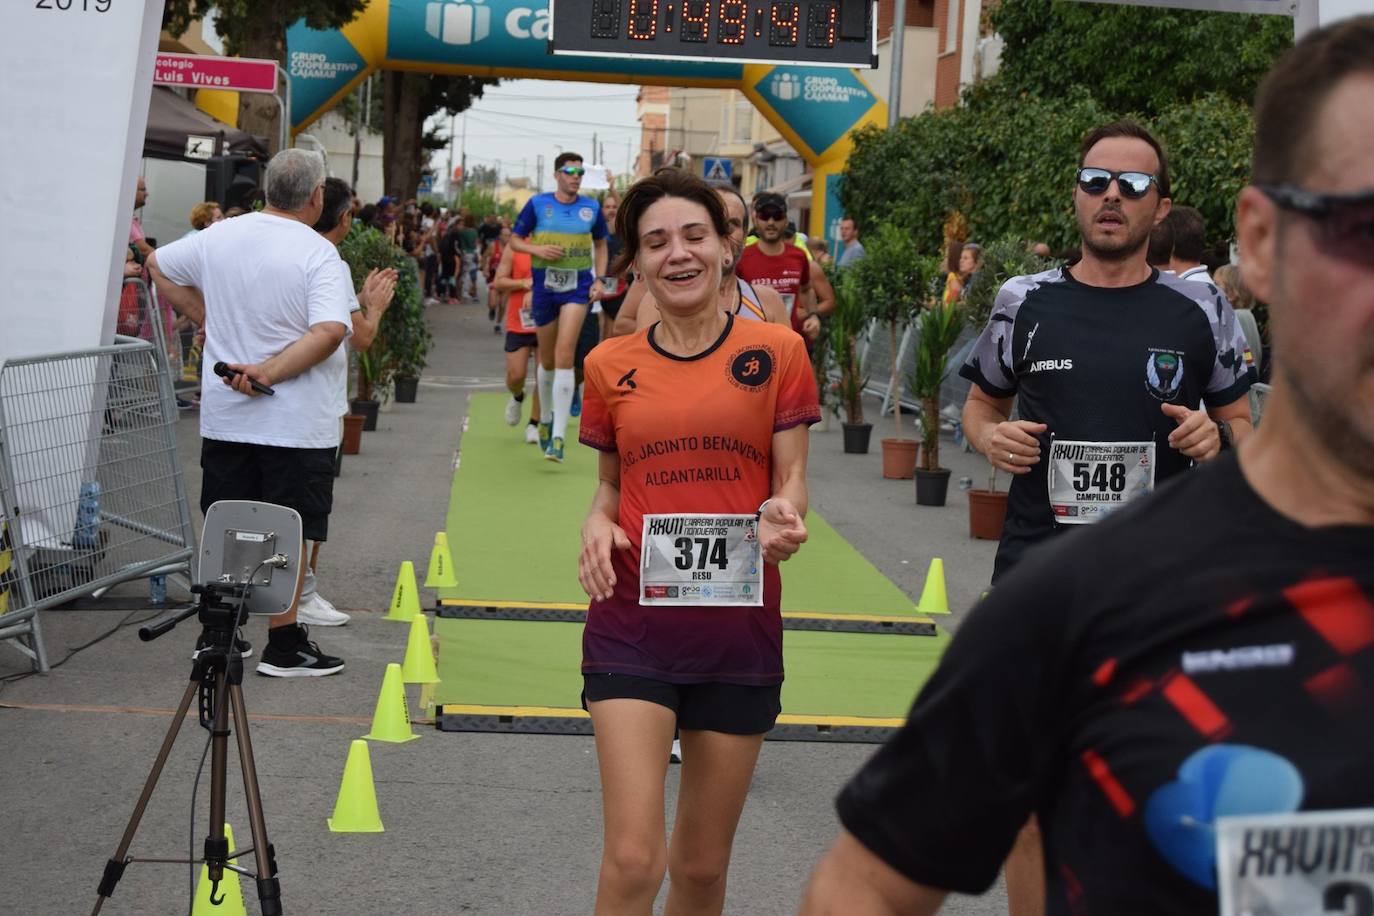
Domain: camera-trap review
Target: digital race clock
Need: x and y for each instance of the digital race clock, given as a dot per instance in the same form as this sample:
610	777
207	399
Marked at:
833	33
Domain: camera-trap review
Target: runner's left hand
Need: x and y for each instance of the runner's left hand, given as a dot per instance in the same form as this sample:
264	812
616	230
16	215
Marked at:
597	291
1197	435
811	327
781	530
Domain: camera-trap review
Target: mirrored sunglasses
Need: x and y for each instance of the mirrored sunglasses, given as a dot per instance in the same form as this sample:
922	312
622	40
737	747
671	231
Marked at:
574	170
1133	185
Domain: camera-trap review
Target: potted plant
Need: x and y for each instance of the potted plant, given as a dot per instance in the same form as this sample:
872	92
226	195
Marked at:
407	335
847	322
891	280
365	249
939	327
1002	260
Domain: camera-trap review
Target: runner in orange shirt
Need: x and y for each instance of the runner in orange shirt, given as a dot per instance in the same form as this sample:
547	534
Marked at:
701	421
514	280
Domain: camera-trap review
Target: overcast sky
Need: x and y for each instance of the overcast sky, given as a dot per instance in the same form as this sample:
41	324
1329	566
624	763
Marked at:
517	120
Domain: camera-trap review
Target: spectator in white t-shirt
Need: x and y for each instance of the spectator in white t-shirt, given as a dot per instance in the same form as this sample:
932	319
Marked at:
275	305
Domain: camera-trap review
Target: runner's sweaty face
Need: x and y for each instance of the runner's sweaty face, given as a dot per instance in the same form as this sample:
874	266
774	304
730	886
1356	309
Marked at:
680	255
1322	306
1114	227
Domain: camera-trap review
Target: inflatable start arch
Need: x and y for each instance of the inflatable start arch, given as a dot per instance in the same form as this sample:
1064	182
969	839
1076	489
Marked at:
815	108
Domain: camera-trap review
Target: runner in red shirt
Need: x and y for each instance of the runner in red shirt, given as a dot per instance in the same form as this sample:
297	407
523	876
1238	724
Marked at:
701	421
772	262
513	280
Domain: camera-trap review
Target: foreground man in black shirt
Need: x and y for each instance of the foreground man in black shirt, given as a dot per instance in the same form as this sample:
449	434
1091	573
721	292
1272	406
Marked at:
1209	653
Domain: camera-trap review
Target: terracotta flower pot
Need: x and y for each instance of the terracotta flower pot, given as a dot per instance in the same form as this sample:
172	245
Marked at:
899	458
987	511
353	433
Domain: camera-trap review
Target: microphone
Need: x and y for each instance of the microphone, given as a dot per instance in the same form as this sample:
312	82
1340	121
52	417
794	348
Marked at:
222	369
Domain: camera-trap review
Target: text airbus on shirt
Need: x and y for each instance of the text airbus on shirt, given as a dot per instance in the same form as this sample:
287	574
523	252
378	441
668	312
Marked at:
694	435
1130	695
1096	364
251	316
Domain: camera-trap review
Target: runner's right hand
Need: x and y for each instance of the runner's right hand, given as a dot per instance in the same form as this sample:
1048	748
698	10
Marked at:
594	571
1014	447
549	252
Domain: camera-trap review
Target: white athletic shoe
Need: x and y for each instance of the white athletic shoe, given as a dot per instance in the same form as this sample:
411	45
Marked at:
512	412
531	434
675	755
317	612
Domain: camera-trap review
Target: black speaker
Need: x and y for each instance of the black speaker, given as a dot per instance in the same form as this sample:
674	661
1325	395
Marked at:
233	181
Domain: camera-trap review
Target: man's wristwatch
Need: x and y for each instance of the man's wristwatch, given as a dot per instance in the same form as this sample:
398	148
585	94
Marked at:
1224	431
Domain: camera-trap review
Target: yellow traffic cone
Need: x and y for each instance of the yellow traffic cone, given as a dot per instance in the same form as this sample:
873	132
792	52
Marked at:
405	599
933	600
228	892
418	667
391	721
355	810
440	572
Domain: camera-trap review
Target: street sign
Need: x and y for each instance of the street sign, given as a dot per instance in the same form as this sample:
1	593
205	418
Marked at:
206	71
426	185
715	169
824	33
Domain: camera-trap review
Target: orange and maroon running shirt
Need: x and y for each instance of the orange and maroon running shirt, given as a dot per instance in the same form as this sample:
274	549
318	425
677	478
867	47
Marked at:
694	434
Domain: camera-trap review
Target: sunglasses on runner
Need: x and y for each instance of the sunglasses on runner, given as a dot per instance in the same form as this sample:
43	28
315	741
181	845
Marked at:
573	170
770	213
1133	185
1345	222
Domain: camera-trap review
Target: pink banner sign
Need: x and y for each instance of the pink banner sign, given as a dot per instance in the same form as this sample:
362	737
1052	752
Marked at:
200	71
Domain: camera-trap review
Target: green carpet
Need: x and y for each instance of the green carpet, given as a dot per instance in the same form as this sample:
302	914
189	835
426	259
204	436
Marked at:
513	528
514	524
524	663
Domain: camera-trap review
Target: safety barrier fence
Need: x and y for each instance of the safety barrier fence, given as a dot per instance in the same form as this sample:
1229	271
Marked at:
92	490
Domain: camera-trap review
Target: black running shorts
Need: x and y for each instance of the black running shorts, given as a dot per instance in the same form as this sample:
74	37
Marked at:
298	478
517	341
733	709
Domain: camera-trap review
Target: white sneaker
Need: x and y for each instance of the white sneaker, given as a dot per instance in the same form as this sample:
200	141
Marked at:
532	434
512	412
317	612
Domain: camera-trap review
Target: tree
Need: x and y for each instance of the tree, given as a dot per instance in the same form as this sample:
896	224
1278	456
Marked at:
1133	58
251	28
408	101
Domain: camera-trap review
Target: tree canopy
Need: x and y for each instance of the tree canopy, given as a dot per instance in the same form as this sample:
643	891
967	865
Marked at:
1005	157
238	22
1133	58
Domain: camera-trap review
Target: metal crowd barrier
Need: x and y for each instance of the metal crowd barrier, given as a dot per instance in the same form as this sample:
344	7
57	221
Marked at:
876	352
93	493
143	316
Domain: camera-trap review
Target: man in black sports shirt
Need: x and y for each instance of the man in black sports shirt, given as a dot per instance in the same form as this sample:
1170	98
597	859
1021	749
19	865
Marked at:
1130	695
1105	360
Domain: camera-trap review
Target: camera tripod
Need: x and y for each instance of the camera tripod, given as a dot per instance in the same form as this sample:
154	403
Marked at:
217	679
